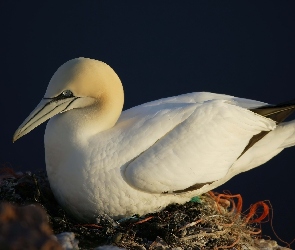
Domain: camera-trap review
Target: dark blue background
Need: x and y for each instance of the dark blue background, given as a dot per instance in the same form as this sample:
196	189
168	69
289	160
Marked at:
159	49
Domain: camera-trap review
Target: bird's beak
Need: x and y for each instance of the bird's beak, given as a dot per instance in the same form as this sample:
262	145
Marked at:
47	108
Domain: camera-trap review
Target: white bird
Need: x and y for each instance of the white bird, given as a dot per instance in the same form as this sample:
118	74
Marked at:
102	160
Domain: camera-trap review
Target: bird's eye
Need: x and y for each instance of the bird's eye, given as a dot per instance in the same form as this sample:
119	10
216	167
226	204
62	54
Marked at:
67	93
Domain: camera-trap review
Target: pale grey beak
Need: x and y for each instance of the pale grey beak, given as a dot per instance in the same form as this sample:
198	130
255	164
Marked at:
47	108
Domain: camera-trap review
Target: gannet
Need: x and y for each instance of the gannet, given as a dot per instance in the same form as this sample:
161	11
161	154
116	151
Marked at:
100	160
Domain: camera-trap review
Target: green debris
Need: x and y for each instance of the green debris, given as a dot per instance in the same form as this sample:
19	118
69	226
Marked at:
196	199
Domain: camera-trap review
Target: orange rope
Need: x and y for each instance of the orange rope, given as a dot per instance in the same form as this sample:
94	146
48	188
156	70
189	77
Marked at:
257	232
235	207
144	220
275	233
253	211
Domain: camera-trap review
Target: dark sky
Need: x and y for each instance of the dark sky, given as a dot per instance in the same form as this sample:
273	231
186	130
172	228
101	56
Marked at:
159	49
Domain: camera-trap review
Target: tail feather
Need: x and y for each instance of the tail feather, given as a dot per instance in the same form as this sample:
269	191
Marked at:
277	113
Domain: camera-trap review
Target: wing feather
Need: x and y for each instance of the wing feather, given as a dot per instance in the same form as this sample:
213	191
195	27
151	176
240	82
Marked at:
199	149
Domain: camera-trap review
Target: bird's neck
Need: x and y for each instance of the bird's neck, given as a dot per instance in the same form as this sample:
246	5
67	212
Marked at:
73	130
83	123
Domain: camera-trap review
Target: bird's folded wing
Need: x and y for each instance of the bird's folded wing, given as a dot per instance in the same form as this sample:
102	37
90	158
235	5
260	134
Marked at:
190	98
200	149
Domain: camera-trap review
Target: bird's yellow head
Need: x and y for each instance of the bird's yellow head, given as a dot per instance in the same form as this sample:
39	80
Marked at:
79	83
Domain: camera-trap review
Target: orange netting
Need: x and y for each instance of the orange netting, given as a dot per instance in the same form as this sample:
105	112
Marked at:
228	200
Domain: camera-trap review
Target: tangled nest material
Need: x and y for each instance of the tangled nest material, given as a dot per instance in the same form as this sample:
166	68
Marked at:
211	221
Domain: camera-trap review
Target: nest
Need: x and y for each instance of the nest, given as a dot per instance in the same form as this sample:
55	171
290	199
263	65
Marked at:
211	221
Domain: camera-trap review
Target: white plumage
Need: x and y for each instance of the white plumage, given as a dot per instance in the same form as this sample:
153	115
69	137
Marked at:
100	160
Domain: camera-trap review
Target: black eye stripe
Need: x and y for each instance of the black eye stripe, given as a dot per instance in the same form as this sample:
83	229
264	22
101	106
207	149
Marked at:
63	95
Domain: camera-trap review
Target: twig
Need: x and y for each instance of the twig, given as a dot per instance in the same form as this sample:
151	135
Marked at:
144	220
190	224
